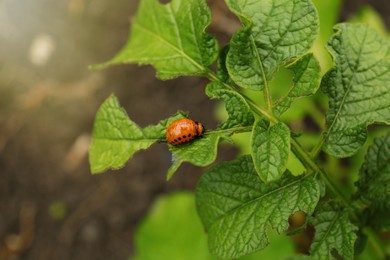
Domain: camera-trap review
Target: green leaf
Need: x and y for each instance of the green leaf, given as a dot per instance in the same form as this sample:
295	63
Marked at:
236	106
333	231
200	152
358	87
270	149
307	74
171	37
236	208
373	184
274	32
116	138
158	238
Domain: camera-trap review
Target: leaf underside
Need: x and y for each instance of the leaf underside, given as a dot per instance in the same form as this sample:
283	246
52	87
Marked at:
200	152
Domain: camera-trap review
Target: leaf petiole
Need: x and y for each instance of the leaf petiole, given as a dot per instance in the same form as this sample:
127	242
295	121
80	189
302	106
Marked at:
230	131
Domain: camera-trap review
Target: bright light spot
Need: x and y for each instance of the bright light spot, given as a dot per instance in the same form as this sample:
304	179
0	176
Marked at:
41	49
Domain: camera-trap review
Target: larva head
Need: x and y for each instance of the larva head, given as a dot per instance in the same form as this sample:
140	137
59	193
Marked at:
199	129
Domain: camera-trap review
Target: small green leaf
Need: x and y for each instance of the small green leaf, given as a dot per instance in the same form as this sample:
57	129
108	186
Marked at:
307	74
357	87
236	208
270	149
238	109
274	32
200	152
116	138
171	37
157	236
334	231
373	184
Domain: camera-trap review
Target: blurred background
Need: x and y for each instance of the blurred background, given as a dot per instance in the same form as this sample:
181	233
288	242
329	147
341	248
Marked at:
51	207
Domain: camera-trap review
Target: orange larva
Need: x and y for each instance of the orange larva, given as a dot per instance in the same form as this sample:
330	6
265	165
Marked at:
183	130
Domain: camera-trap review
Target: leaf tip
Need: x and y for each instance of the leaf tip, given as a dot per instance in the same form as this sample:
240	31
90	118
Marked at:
175	165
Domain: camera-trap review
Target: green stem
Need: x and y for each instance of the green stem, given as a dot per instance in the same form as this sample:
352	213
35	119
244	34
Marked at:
308	161
267	97
266	92
258	110
317	149
234	130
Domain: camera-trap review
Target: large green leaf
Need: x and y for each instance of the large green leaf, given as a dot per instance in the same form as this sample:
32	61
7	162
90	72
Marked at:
358	87
373	184
171	37
334	231
274	32
116	138
270	149
306	80
236	208
238	109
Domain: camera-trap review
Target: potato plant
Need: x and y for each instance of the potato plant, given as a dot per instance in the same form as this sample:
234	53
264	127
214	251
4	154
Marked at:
239	200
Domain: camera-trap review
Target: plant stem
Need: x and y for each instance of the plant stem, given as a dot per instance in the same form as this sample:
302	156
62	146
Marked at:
234	130
266	92
307	160
317	149
258	110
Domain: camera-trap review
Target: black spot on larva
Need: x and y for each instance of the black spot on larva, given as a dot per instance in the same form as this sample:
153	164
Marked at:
179	138
184	136
189	135
175	140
